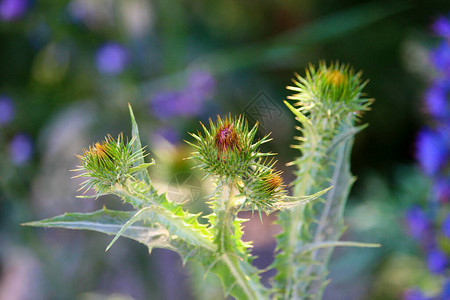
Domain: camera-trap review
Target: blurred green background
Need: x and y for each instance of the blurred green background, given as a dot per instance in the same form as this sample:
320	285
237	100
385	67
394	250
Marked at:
69	68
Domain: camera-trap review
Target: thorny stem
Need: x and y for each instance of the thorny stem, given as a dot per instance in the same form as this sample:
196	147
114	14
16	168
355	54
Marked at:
295	218
230	259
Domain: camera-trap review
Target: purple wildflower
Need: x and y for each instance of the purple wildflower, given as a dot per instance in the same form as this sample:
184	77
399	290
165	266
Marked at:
442	190
414	294
11	10
436	261
200	83
187	102
20	149
440	58
446	226
167	104
417	222
436	100
169	134
111	58
432	151
445	294
6	110
442	27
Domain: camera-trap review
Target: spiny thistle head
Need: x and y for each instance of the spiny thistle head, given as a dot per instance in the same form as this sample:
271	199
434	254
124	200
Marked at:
264	189
272	183
330	91
109	162
227	149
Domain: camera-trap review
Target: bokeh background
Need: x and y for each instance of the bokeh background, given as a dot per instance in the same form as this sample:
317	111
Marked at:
69	68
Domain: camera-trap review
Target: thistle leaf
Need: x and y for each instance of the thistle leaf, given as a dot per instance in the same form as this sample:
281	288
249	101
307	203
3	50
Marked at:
344	136
106	221
332	244
291	202
131	221
137	146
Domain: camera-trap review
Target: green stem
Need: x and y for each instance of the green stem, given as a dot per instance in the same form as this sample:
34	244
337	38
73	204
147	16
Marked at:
296	215
230	255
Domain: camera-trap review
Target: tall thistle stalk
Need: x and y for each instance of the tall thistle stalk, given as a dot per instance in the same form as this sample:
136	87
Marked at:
327	104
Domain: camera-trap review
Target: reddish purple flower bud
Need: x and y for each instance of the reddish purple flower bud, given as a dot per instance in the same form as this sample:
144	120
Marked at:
226	138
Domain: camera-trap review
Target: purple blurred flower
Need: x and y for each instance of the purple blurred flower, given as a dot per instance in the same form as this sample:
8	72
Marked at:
442	189
414	294
6	110
436	261
200	83
169	134
12	9
111	58
166	104
440	58
445	294
188	102
417	222
20	149
432	151
442	27
436	100
446	226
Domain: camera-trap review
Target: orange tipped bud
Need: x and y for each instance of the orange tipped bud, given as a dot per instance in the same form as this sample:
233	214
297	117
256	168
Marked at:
273	182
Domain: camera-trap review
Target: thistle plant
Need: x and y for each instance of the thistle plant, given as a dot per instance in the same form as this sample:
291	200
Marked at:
327	103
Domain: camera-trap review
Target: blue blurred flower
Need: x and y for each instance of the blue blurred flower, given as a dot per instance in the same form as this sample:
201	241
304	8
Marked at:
12	9
445	294
446	226
6	110
414	294
440	57
417	222
167	104
111	58
436	261
187	102
442	189
432	151
442	27
200	83
169	134
20	149
436	100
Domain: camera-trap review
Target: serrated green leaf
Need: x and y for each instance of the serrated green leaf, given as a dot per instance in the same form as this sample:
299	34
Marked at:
106	221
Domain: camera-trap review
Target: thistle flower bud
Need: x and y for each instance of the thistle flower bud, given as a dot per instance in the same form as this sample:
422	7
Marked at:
330	91
335	77
227	148
272	183
109	162
264	190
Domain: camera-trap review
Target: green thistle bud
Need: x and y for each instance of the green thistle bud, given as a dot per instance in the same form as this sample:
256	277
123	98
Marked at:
226	149
109	162
264	190
330	91
272	183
